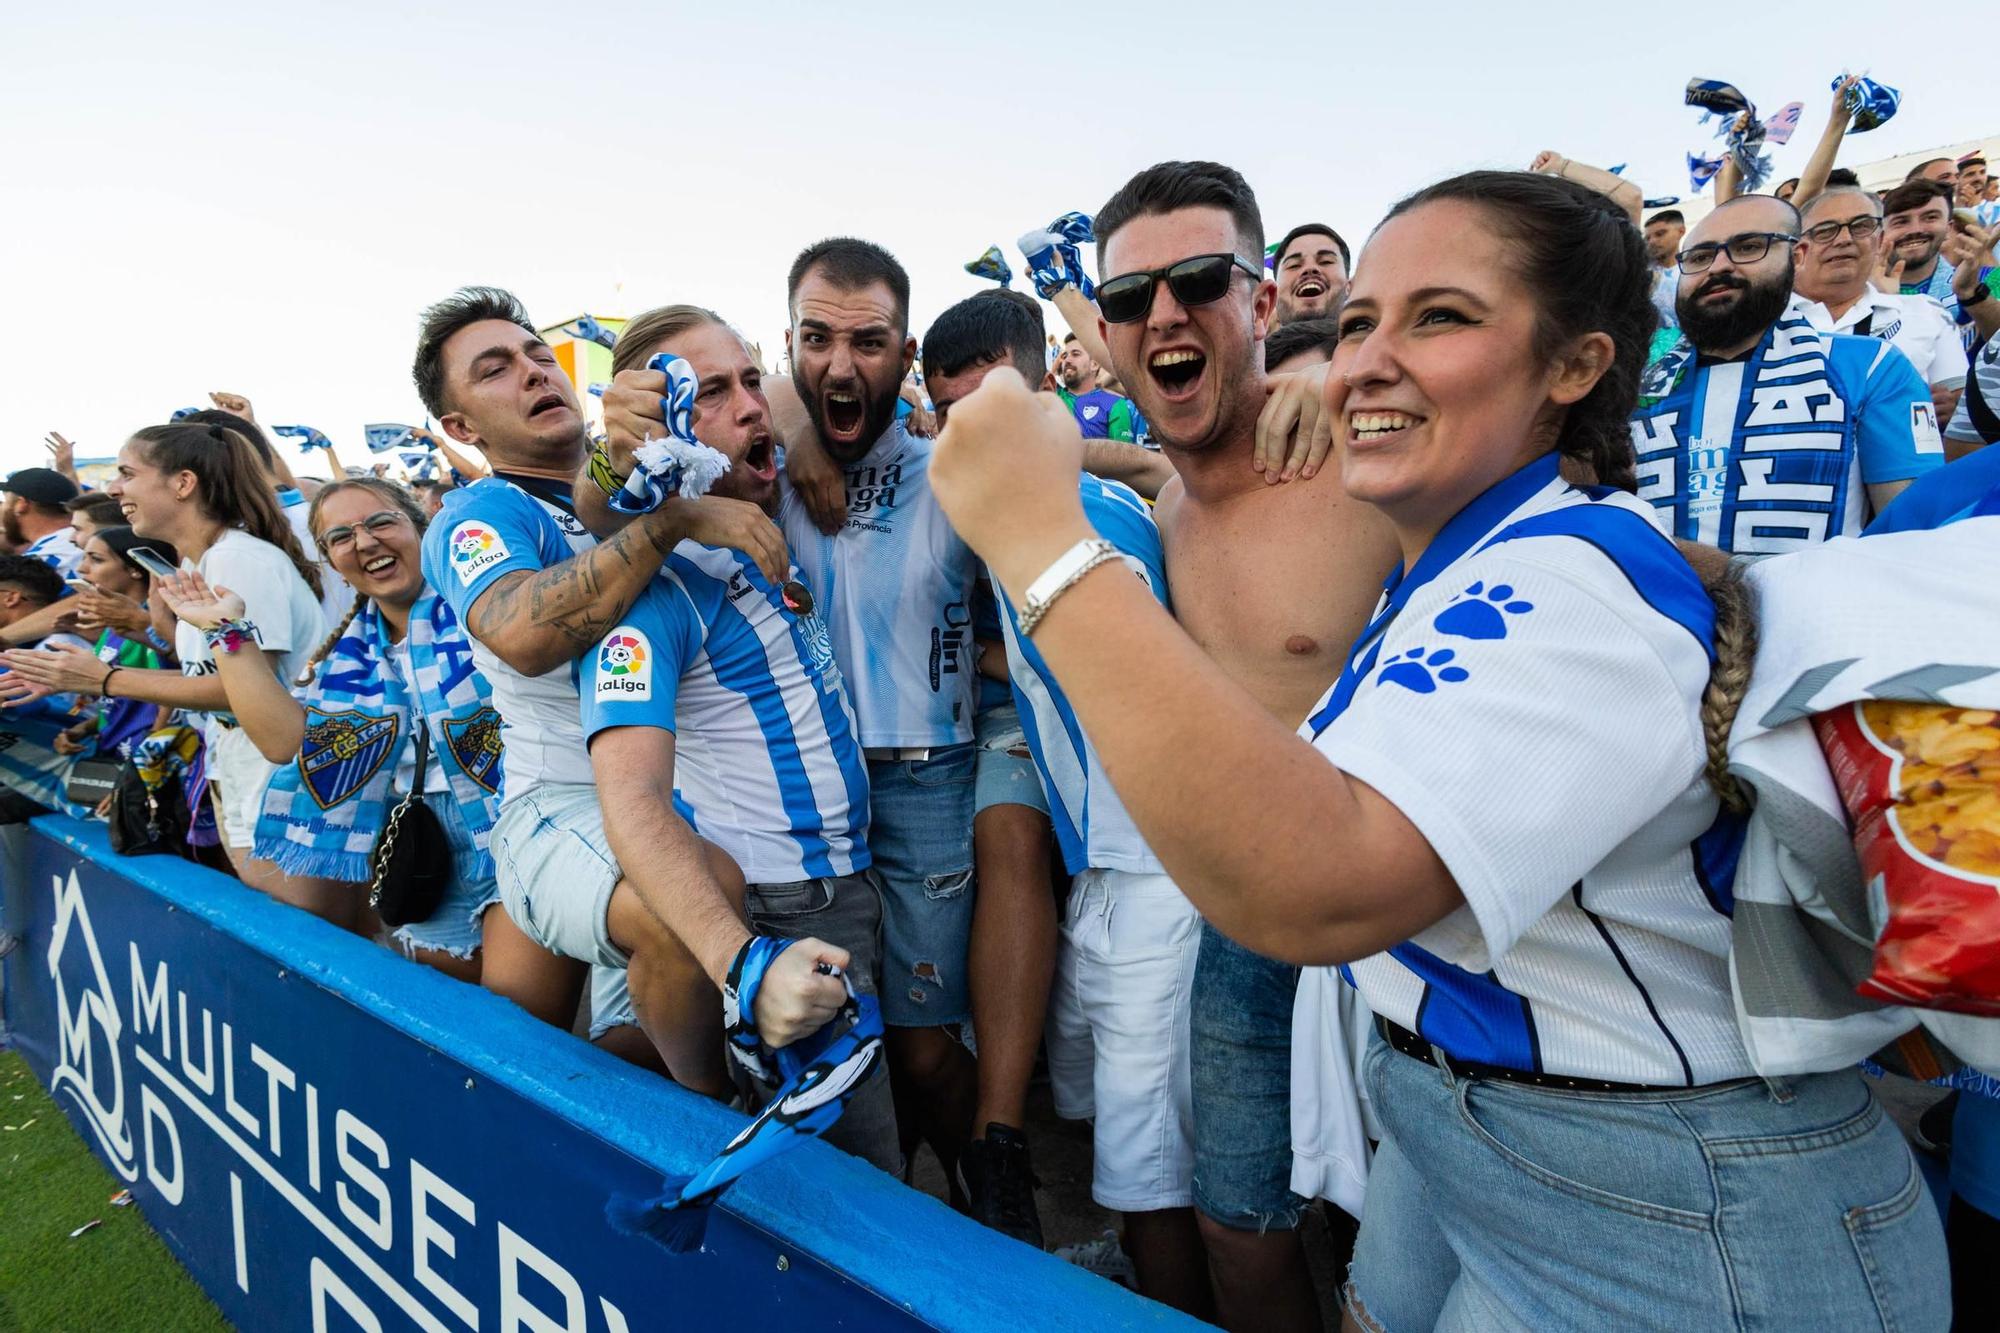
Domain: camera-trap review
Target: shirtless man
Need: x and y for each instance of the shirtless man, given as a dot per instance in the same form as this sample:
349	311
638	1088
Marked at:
1274	582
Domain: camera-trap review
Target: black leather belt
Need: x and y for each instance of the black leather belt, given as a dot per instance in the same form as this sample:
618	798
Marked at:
1409	1043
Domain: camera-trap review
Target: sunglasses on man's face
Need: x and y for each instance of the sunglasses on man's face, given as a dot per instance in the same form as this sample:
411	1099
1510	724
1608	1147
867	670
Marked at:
1202	280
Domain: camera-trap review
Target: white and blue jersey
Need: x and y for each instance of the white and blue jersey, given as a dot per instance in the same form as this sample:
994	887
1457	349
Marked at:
765	756
1090	821
895	585
484	532
58	551
1528	696
1774	451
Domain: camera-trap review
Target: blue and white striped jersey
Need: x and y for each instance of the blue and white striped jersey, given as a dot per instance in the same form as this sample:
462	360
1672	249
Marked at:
1529	697
765	753
58	551
1774	451
1090	821
895	585
484	532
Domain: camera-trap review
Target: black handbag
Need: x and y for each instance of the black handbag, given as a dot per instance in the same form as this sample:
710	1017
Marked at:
149	821
91	780
410	866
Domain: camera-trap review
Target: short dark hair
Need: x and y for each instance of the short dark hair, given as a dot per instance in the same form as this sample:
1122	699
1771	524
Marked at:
467	305
1313	229
852	264
1926	165
984	326
1168	187
101	508
1668	215
1842	176
1914	194
215	416
1301	335
38	582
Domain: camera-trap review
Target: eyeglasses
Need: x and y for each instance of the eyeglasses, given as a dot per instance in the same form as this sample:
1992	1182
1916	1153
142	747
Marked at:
340	538
1861	228
1748	248
1198	281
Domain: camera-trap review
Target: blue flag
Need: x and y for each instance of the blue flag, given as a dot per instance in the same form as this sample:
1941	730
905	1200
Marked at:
386	435
678	465
309	439
992	266
590	331
1871	103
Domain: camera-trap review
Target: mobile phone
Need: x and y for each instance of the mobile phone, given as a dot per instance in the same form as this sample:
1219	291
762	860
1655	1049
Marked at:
1965	218
81	585
152	562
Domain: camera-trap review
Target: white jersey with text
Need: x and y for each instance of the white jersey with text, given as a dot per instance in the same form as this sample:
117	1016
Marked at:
895	585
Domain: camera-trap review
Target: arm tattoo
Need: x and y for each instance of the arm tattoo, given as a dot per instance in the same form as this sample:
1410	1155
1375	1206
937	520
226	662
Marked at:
571	598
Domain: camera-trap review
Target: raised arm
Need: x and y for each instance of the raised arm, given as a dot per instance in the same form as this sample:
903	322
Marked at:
1619	190
1143	469
1819	166
274	720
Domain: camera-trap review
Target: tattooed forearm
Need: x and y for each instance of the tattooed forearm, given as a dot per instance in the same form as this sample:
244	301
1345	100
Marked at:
534	622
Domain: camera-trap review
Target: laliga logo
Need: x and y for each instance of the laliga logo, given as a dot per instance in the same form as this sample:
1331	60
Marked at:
468	542
624	667
88	1068
623	655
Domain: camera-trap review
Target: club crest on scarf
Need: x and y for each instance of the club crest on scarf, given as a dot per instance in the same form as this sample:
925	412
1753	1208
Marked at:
475	743
342	750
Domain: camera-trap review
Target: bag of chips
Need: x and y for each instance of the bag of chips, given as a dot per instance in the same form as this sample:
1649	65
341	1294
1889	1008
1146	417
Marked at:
1921	783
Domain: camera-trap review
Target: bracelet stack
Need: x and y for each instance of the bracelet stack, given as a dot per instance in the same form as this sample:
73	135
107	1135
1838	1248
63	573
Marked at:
231	636
602	474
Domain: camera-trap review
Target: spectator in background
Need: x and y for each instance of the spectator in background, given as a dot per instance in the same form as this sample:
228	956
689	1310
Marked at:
1787	189
1916	224
1836	258
1756	432
92	512
1300	346
431	492
37	518
27	584
1971	188
1937	170
1099	413
1310	268
1664	232
117	605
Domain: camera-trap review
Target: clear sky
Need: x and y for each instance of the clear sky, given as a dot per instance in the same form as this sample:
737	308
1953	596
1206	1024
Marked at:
260	198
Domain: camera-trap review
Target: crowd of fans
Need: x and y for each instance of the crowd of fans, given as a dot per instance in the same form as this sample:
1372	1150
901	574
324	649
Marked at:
1426	675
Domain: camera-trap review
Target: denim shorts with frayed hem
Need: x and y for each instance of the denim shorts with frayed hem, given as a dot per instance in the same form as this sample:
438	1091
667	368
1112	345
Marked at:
920	835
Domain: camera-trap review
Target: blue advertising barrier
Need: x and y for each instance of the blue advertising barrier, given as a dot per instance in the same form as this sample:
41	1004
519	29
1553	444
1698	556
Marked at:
331	1137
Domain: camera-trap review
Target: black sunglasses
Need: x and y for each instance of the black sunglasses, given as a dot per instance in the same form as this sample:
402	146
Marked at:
1197	281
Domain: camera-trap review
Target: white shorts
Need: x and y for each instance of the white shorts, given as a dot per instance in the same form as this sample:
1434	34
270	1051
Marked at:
237	773
556	871
1118	1035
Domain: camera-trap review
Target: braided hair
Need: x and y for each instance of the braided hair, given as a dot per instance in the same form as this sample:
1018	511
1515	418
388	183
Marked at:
397	495
1728	680
1586	266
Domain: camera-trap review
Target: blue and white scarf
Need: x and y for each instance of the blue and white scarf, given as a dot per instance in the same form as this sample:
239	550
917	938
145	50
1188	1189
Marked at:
323	811
678	465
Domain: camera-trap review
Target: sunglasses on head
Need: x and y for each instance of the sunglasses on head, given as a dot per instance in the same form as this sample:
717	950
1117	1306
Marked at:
1198	281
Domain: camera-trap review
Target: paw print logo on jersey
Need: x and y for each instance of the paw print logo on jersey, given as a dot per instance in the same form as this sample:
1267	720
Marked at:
1480	612
474	549
624	665
1420	669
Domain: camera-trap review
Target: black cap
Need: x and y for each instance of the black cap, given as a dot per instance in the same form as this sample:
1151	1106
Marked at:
43	485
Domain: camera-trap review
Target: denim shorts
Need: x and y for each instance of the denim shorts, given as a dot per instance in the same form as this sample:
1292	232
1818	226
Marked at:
1006	773
921	836
1787	1204
1242	1029
556	871
454	927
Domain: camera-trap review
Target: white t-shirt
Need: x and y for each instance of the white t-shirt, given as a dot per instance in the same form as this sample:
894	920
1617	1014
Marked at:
275	599
1533	709
406	758
1918	326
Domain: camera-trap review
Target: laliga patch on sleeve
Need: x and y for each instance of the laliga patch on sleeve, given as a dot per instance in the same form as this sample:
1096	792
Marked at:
624	666
475	548
1924	429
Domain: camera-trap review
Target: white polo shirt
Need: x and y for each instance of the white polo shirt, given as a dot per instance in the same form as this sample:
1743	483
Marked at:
1917	326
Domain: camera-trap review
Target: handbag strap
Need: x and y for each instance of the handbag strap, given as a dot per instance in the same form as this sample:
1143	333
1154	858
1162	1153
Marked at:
423	755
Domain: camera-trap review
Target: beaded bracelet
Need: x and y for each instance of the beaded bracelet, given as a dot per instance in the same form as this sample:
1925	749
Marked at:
231	636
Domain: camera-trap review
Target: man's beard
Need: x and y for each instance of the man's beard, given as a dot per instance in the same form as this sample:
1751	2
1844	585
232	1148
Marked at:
876	414
1918	260
10	526
1289	311
1754	311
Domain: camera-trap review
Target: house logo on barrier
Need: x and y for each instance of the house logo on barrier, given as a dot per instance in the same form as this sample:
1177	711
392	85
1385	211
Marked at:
89	1066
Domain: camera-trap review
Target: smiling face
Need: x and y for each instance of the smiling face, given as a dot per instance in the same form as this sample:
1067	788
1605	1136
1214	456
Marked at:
152	500
1444	392
102	568
849	356
1915	234
1311	278
1194	372
730	414
1074	368
508	397
371	543
1836	269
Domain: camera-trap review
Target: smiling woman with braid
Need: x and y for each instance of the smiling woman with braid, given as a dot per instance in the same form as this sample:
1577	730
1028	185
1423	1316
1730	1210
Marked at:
397	668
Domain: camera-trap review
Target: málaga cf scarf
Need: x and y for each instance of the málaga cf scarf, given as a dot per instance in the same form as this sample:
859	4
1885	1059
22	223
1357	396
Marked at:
323	811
